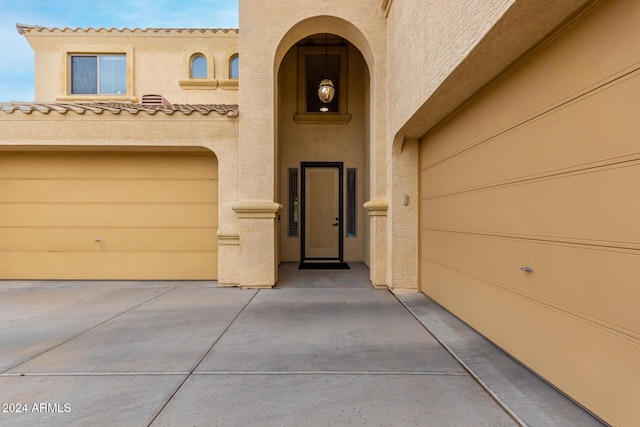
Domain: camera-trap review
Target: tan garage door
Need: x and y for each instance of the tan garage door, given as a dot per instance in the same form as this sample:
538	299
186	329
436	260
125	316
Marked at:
107	215
543	171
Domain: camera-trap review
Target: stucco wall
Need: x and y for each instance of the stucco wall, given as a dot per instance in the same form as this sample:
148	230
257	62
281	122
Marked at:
142	131
266	36
159	62
430	38
443	52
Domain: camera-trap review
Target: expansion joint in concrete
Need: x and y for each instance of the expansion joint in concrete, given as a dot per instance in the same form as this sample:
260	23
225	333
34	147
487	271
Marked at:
481	383
97	325
184	380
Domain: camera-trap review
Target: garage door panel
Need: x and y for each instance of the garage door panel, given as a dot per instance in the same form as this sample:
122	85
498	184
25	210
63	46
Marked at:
107	165
564	271
107	215
108	191
109	265
75	215
574	63
108	239
598	127
561	348
588	207
542	168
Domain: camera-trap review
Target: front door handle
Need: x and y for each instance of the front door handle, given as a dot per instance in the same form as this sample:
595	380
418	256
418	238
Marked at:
335	224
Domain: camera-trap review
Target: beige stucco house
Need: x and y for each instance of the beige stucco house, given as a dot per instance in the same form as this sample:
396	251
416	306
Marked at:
485	153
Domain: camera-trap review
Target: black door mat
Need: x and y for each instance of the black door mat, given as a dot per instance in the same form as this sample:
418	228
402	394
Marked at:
323	266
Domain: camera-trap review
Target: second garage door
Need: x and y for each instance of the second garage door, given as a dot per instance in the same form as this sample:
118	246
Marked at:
108	215
530	207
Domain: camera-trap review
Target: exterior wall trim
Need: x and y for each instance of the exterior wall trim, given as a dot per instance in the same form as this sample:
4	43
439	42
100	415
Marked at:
377	207
386	7
228	237
229	84
256	209
206	84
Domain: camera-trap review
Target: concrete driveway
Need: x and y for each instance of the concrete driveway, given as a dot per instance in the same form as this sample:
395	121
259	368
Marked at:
172	353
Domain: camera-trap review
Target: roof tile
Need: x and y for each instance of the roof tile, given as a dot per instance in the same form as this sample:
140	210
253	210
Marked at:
24	28
230	110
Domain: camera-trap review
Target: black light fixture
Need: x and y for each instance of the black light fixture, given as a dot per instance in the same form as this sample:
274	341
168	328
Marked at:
326	90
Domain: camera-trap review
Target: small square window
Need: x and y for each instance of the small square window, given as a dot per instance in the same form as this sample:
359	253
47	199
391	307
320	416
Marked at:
98	75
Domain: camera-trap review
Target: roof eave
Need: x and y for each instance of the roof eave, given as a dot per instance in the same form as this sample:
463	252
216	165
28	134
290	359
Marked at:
24	28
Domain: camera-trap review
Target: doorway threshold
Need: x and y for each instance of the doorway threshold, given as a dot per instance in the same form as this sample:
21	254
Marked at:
323	266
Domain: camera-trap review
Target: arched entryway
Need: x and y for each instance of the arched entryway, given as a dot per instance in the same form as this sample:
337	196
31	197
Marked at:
323	151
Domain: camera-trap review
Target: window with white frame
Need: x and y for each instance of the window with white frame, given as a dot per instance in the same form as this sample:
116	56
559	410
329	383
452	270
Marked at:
104	74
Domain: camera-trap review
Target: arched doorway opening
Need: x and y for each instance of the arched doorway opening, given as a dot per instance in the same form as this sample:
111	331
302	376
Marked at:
323	151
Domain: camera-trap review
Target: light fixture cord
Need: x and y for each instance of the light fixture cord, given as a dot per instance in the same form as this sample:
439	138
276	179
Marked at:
326	43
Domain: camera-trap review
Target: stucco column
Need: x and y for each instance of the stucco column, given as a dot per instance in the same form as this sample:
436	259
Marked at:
228	258
377	210
403	217
255	207
258	245
228	236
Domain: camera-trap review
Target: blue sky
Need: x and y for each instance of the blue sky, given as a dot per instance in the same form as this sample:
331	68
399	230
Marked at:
16	56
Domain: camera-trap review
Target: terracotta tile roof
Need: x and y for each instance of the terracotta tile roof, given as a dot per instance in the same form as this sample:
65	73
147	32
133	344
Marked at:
230	110
23	28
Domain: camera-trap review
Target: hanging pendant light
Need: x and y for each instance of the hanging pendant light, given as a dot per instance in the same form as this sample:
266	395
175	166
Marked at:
326	90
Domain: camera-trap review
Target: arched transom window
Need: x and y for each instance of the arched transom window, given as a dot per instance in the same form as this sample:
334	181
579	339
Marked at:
198	69
234	67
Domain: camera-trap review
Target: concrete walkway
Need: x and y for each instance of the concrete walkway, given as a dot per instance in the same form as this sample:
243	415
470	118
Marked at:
316	350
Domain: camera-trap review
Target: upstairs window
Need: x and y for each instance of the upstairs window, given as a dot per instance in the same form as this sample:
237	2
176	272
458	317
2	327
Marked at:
198	67
99	74
234	67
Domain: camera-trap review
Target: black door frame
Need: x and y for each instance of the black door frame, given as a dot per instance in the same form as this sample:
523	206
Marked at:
340	166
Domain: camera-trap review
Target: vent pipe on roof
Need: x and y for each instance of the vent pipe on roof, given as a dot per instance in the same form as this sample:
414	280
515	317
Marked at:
154	101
